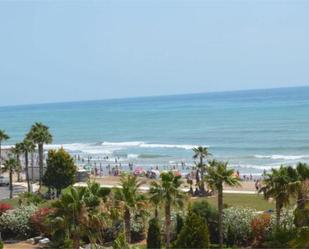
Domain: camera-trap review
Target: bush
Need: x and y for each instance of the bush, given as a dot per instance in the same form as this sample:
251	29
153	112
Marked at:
237	224
154	236
1	245
120	242
302	238
31	198
280	238
4	207
137	228
210	216
16	223
38	219
260	226
194	233
301	217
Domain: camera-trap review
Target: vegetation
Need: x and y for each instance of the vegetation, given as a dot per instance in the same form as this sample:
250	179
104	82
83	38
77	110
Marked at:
3	137
167	191
11	166
201	153
154	235
276	185
27	147
217	175
130	199
118	217
60	172
194	233
40	135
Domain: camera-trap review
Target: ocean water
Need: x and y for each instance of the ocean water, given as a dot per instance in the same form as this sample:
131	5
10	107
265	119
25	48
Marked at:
253	130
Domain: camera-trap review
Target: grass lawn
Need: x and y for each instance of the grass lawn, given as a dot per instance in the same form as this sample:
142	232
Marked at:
242	200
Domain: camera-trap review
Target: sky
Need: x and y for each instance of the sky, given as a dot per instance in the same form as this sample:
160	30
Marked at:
55	51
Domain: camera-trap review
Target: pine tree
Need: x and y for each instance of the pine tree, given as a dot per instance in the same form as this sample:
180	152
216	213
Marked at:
61	170
194	233
153	236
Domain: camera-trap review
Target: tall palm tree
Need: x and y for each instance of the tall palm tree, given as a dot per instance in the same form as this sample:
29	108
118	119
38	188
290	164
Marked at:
169	193
3	137
131	200
201	153
16	150
40	135
276	184
10	165
217	176
27	146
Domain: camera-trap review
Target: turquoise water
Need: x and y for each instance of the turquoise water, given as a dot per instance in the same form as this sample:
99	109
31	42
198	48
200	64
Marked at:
253	130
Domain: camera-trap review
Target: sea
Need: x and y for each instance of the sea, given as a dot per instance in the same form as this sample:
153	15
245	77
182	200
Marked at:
254	130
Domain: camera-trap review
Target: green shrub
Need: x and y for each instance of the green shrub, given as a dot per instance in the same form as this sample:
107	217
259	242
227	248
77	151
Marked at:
120	242
301	239
31	198
301	217
1	245
237	224
154	236
210	215
194	233
280	238
16	222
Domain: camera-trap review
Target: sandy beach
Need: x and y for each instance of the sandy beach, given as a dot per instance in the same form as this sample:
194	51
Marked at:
114	181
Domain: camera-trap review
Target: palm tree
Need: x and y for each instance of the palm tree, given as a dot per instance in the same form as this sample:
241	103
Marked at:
10	165
300	179
201	153
131	199
80	212
218	175
169	193
3	137
277	185
27	146
16	150
70	213
40	135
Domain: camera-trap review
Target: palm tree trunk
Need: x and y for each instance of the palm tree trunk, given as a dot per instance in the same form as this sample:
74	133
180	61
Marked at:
168	225
156	213
300	200
32	165
11	184
220	208
278	214
18	167
127	225
76	242
27	170
202	187
41	151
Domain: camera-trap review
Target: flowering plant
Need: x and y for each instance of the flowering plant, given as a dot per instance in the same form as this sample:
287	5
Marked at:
4	207
16	221
237	224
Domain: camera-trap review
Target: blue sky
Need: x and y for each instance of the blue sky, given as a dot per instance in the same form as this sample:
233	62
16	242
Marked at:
53	51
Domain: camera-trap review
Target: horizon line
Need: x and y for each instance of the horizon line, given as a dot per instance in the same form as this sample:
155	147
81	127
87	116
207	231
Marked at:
151	96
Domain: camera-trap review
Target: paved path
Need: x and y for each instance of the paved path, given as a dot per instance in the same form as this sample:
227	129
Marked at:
18	187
